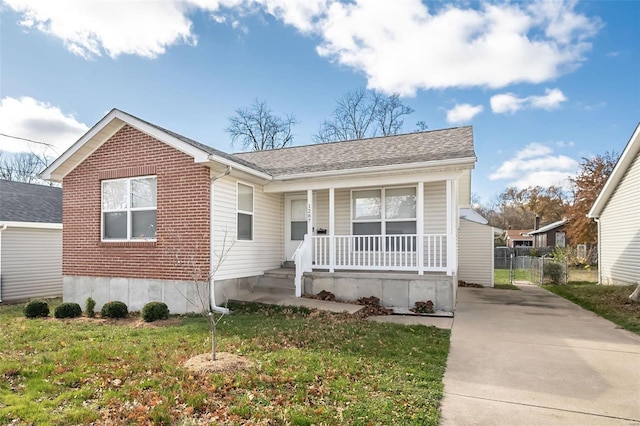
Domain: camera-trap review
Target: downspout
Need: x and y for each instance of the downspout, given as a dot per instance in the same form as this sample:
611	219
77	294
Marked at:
212	294
597	219
1	229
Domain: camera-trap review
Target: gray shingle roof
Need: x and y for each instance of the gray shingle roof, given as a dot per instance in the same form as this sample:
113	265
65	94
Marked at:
435	145
25	202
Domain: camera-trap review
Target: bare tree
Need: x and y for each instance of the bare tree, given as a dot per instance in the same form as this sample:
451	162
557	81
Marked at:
22	166
189	259
361	114
257	128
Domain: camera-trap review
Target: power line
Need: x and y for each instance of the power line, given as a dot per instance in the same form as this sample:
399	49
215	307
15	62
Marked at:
28	140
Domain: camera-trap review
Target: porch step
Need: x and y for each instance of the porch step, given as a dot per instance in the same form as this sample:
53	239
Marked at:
288	264
277	281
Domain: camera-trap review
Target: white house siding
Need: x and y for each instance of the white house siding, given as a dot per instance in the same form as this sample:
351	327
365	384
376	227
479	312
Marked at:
30	263
266	250
475	253
620	231
464	189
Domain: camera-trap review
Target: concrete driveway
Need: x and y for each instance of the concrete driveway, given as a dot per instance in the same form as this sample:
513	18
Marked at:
530	357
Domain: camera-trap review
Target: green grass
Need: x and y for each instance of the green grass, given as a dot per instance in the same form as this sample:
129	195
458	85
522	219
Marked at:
310	367
501	276
608	301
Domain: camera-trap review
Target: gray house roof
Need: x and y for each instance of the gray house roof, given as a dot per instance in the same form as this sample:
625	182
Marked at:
435	145
26	202
548	227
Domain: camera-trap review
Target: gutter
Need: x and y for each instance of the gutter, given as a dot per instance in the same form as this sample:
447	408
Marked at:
4	227
212	294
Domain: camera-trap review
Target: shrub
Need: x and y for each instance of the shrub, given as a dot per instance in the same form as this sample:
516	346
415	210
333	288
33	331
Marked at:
553	271
423	307
89	307
153	311
115	309
36	308
67	310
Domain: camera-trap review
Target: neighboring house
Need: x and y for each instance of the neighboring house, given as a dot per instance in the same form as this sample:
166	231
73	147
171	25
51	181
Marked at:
376	216
552	235
518	238
30	241
617	212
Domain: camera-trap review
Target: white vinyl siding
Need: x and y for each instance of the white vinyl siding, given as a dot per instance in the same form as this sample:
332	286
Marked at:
435	207
475	253
620	231
464	190
30	263
266	250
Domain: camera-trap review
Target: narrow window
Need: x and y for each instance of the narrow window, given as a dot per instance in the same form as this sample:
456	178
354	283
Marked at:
129	208
245	212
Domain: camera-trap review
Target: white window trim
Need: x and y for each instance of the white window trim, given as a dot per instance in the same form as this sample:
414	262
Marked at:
128	210
383	213
251	213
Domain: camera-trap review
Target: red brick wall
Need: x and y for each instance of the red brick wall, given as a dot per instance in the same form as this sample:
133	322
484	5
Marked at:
182	212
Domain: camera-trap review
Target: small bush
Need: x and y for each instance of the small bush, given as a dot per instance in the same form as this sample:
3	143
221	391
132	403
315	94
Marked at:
154	311
36	308
423	307
90	307
553	271
115	309
67	310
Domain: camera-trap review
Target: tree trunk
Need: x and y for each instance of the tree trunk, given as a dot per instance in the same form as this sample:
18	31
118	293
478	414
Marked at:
635	296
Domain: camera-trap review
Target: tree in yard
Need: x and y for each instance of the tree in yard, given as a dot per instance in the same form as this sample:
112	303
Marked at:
362	114
587	184
257	128
189	259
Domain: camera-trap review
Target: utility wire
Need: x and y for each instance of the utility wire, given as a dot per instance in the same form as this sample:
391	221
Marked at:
28	140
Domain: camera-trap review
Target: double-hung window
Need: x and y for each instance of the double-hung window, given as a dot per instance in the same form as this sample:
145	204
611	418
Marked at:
385	211
245	212
129	208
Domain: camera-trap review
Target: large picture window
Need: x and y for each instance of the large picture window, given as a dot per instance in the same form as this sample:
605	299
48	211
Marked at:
385	211
129	209
245	212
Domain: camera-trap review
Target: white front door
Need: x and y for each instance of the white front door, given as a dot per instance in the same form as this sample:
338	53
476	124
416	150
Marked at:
295	223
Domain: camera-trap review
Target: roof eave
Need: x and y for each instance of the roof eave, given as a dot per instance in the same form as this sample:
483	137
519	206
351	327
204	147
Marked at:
378	169
630	151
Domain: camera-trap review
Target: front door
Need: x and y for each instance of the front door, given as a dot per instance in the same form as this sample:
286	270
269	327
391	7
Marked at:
295	223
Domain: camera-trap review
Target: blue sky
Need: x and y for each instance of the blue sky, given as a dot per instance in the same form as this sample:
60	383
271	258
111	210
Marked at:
543	83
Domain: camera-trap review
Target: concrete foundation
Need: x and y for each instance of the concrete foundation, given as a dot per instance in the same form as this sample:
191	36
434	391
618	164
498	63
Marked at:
393	289
180	296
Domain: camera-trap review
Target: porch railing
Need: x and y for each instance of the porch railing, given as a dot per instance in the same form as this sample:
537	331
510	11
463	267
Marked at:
380	252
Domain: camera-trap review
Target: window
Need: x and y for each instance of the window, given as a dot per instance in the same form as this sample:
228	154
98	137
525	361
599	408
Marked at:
129	208
386	211
245	212
560	239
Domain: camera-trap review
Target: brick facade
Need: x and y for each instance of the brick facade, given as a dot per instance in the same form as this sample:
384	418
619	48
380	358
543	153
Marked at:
183	212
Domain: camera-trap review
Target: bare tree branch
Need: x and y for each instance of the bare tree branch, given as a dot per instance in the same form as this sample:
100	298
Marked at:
257	128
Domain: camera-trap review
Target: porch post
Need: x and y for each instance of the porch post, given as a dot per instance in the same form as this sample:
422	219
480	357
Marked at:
420	227
310	212
452	226
332	245
449	236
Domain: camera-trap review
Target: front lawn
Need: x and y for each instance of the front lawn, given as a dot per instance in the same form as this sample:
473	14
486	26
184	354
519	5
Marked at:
609	301
309	368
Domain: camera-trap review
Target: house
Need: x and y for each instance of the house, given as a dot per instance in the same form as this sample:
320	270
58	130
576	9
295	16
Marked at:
147	211
616	210
552	235
30	241
518	238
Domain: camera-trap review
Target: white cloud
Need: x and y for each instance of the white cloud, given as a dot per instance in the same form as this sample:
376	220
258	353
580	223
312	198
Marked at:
535	165
509	103
31	119
563	144
463	113
401	46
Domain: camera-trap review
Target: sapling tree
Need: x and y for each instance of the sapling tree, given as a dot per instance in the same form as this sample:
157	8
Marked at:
189	258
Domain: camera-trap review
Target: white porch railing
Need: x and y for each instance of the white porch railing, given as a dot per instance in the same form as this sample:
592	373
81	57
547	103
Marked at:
381	252
303	261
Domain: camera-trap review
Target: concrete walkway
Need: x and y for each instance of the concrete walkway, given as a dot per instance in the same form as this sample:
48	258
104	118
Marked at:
530	357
